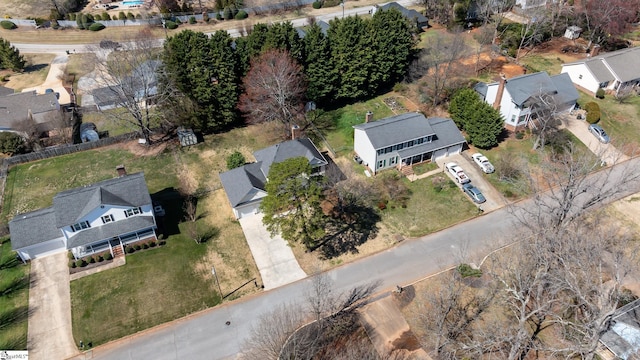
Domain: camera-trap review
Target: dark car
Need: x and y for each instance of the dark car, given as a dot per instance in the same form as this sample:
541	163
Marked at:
474	193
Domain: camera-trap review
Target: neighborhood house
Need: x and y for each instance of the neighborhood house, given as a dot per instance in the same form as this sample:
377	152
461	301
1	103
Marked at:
516	97
405	140
611	71
95	218
245	185
17	110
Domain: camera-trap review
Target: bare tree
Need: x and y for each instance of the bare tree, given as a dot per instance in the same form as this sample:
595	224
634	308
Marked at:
274	89
493	13
544	117
128	80
605	18
624	93
531	32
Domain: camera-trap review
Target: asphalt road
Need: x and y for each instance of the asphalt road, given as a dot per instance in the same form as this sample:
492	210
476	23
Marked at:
206	336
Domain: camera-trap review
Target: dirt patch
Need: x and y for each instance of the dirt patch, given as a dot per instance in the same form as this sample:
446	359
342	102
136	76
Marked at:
137	149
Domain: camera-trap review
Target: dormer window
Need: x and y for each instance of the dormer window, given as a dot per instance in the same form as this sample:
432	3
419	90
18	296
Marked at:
107	219
132	211
80	226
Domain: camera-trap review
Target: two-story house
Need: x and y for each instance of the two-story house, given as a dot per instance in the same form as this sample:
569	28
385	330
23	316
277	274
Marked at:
245	185
514	97
405	140
95	218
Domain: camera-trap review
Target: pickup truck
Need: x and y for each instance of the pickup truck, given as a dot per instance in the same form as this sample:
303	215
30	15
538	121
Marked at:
483	163
457	173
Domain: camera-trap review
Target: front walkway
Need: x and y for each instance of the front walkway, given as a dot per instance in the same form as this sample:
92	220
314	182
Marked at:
49	335
274	258
606	152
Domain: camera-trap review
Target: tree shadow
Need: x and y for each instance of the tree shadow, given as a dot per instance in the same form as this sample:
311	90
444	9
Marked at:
15	285
9	263
10	317
173	204
35	67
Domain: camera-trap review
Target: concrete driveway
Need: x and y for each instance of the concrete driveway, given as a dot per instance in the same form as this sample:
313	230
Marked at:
54	79
272	254
495	200
49	335
606	152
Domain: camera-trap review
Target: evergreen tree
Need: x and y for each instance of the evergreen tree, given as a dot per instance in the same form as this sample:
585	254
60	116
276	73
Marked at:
481	121
251	46
205	71
283	36
393	45
292	204
318	66
10	57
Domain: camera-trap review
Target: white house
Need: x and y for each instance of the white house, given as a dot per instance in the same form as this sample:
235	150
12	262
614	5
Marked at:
245	185
404	140
95	218
610	71
514	97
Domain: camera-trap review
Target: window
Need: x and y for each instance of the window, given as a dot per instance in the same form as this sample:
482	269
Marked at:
522	119
392	160
80	226
513	118
132	211
410	143
580	76
107	219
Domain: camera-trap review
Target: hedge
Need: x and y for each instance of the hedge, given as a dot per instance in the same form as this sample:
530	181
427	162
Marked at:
317	4
241	15
7	25
593	112
600	93
96	27
171	25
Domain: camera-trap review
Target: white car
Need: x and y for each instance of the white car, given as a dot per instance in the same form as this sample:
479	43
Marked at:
457	173
483	163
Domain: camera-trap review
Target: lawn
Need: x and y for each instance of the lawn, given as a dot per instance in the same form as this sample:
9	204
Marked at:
35	72
340	135
620	121
13	303
550	63
429	209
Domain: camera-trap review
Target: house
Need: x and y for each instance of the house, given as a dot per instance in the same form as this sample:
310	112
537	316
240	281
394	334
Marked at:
404	140
142	84
521	5
324	27
245	185
622	339
17	109
514	97
413	16
95	218
611	71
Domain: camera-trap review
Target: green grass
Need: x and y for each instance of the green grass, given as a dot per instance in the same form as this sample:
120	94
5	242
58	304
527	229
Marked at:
548	62
340	136
13	333
110	304
620	121
429	210
423	168
522	149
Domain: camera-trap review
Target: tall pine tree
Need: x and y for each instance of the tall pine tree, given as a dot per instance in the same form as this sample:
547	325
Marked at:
481	121
393	44
319	66
10	57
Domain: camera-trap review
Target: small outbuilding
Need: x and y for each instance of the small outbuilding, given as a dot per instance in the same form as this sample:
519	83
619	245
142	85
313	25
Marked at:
572	32
187	137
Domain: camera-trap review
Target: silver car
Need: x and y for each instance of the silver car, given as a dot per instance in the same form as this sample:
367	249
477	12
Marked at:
599	133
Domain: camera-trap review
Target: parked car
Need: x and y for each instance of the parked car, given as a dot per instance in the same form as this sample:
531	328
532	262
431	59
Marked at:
474	193
599	133
484	163
457	173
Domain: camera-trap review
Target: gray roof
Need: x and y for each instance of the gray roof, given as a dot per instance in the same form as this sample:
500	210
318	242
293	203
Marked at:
409	14
324	27
239	182
567	92
129	190
396	129
141	83
447	134
6	91
287	150
623	63
481	88
33	228
110	230
623	338
15	107
523	87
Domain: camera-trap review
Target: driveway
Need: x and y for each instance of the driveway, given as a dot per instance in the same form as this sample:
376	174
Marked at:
495	200
49	335
272	254
54	79
606	152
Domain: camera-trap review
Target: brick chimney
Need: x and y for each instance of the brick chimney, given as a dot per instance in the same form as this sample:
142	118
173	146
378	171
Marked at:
295	132
121	170
368	117
503	81
595	50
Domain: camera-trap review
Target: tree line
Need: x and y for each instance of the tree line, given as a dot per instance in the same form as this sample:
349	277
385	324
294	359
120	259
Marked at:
356	58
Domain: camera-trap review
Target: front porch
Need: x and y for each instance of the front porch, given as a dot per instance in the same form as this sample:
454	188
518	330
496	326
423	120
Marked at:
113	245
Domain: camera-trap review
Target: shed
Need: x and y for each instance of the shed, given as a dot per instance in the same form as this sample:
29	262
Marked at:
187	137
572	32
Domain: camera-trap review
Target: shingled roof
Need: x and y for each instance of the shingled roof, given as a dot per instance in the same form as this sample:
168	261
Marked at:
15	108
396	129
238	183
620	64
287	150
33	228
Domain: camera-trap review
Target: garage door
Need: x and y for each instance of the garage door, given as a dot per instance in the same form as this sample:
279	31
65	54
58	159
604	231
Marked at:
248	210
43	249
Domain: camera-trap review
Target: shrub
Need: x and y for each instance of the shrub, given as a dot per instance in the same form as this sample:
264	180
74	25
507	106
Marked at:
235	160
152	244
96	27
593	112
72	16
317	4
11	143
92	260
137	247
227	13
100	258
106	16
162	242
520	135
600	93
130	16
171	25
241	15
205	17
7	25
72	264
192	20
219	16
108	257
145	246
465	270
98	17
178	21
130	250
83	263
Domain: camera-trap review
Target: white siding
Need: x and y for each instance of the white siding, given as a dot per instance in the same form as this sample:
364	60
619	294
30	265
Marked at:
492	92
246	210
364	148
43	249
581	76
95	216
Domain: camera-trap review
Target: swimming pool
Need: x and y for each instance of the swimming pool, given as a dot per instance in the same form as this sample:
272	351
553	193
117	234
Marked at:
133	2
